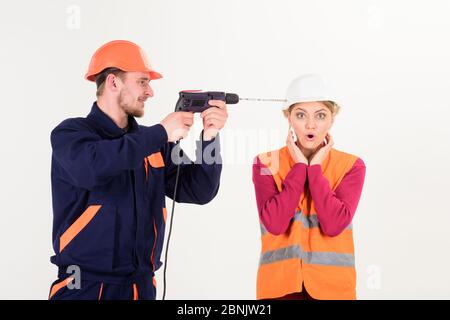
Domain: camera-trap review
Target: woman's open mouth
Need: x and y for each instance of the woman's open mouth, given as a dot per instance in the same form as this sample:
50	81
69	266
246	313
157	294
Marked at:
310	137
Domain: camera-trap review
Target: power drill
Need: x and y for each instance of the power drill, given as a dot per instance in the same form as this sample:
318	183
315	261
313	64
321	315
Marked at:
197	101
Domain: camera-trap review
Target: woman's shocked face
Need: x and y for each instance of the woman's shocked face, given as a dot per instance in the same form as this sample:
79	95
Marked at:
311	122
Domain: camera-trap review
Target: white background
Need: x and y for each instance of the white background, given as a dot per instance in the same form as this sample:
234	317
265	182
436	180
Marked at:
387	60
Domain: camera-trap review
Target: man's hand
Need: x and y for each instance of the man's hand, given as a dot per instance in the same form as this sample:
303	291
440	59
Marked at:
177	125
214	119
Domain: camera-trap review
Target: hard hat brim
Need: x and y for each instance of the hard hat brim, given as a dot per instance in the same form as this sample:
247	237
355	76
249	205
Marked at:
308	99
154	75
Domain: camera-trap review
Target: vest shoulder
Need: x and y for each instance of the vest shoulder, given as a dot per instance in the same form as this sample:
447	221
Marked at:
266	156
271	152
339	153
342	157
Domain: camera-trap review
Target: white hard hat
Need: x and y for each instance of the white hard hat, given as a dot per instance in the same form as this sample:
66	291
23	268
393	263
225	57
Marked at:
307	88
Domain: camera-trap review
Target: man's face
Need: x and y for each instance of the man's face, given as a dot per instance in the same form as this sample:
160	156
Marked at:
135	90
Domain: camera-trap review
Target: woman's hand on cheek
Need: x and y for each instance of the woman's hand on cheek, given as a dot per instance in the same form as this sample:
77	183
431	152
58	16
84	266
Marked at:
322	153
294	150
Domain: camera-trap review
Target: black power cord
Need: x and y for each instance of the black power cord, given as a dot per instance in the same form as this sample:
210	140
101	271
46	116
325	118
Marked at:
170	225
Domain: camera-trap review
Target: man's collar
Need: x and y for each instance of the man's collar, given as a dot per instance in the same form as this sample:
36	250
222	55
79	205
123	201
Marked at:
107	125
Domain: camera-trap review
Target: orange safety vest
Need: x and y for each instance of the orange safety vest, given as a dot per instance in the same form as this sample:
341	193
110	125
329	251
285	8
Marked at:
304	254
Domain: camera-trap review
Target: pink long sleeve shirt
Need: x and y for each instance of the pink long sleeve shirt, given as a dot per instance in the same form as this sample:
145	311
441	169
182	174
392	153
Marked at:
335	209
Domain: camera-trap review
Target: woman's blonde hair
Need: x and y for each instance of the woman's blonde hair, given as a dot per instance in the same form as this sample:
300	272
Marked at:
331	105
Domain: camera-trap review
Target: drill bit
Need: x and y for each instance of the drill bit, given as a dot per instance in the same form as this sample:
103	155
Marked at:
263	100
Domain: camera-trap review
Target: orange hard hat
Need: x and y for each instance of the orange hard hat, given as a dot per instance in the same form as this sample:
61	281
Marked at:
121	54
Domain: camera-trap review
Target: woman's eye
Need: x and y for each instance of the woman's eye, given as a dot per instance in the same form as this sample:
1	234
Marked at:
300	115
321	116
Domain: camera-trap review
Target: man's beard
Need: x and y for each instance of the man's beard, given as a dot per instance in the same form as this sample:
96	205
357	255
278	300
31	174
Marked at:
129	109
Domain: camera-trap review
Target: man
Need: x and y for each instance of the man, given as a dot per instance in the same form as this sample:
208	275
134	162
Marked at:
110	177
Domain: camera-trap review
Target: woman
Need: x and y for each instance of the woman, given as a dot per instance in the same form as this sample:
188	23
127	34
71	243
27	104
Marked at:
307	194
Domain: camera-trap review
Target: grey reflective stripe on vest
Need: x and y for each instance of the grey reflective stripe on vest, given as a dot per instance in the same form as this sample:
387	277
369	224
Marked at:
281	254
310	221
322	258
329	258
263	229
